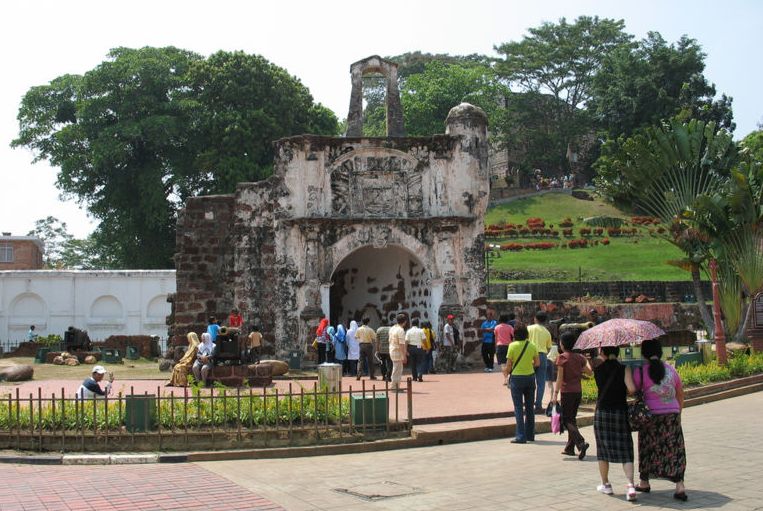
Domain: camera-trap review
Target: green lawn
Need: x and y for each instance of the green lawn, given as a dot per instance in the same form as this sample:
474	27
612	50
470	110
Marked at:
628	258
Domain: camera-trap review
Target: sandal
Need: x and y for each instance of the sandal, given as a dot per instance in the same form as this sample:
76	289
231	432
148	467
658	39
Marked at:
681	496
643	489
568	453
583	451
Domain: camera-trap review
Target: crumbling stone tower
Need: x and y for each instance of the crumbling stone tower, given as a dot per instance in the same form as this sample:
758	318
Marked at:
346	227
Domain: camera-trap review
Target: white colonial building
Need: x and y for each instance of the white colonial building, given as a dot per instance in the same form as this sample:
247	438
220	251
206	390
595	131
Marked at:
103	302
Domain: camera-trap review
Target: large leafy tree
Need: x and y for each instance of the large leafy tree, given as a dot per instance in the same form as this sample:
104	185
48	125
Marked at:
553	68
149	127
642	85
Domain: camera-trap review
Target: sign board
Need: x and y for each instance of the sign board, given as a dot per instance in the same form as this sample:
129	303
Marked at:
519	297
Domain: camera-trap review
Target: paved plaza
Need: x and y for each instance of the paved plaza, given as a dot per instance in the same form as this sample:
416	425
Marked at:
724	460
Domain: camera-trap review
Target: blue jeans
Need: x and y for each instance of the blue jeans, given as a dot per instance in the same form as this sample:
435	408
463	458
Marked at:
522	393
540	380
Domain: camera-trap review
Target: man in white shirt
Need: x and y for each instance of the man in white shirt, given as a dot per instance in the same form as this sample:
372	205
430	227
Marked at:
447	345
398	351
414	338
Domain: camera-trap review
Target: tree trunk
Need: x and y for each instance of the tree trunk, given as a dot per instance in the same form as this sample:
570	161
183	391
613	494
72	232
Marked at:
704	312
745	318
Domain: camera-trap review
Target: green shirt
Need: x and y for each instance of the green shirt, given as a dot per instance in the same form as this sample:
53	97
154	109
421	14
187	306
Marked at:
525	366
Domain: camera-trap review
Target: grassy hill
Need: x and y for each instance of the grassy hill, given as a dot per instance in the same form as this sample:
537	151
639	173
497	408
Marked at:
636	256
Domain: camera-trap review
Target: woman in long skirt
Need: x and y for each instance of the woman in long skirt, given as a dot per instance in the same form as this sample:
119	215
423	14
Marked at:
614	443
661	449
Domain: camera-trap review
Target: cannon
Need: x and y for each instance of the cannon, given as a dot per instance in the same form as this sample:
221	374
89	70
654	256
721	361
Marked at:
76	340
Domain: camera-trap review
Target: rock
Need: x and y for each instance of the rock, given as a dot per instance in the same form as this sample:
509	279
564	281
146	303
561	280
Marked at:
90	359
71	362
279	367
735	347
179	352
59	360
20	372
66	355
641	298
260	370
165	365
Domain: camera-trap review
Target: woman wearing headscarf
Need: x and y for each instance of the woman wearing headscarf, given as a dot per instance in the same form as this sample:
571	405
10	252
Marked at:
340	347
341	338
180	370
353	348
321	338
661	449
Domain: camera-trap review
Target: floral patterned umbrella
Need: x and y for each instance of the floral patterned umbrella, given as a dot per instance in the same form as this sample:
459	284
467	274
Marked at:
617	332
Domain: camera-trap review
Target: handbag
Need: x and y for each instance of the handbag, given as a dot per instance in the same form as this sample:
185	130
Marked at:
638	412
315	343
556	421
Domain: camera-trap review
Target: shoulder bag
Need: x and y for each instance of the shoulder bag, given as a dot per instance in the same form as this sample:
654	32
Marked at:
638	412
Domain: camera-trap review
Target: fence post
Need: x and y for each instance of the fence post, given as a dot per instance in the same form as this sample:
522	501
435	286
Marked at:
409	392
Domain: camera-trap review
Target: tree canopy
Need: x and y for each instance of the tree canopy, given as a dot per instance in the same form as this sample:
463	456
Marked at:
147	128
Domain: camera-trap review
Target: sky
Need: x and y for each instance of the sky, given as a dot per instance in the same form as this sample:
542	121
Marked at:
317	42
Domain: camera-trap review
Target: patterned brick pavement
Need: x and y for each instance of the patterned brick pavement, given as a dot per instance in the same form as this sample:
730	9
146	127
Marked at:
122	488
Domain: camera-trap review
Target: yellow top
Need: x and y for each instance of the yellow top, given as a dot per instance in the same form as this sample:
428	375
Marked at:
540	337
365	335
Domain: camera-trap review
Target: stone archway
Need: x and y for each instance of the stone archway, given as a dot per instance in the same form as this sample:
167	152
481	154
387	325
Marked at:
379	283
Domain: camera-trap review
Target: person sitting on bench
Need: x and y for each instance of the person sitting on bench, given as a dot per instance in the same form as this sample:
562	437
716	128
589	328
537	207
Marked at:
204	359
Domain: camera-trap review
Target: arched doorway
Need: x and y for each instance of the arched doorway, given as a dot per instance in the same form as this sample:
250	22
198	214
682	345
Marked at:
378	283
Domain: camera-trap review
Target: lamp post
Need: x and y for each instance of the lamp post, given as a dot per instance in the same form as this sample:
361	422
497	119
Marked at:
719	335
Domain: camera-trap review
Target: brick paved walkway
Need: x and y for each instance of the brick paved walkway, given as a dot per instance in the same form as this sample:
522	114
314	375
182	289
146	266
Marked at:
724	459
122	488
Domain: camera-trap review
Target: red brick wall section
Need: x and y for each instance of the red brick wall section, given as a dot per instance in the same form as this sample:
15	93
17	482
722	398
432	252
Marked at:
26	256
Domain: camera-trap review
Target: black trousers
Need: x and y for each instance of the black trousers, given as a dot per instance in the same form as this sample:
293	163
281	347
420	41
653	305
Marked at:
386	366
367	358
415	357
488	354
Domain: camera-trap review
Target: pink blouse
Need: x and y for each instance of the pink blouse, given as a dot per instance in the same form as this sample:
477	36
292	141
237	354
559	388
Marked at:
660	398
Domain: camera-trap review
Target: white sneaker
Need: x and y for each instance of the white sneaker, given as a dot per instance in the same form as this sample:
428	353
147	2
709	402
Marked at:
606	489
630	493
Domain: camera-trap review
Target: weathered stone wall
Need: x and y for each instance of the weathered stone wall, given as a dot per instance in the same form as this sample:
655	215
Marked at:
272	249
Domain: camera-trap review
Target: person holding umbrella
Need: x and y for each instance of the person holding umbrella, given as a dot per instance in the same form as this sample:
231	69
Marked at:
614	443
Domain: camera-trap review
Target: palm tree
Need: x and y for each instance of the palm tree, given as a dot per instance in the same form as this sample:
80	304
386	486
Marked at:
672	166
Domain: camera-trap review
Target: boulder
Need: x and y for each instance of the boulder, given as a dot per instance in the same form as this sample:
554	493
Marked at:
90	359
260	370
20	372
59	360
165	365
279	367
71	362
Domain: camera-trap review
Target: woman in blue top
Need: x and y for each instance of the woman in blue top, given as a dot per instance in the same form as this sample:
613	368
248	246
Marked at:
341	338
340	347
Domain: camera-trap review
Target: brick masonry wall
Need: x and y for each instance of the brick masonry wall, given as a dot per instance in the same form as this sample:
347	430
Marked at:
203	261
26	256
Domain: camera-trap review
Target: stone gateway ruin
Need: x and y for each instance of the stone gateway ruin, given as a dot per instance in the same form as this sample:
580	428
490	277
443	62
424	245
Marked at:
346	227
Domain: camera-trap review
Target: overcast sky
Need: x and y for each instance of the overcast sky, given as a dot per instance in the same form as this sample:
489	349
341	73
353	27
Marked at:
317	41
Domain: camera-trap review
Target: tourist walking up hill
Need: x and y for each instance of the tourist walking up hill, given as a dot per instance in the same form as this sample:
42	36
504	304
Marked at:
541	337
571	368
661	449
520	369
614	442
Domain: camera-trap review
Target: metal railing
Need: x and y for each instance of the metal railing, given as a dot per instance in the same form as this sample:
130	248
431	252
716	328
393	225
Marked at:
203	419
